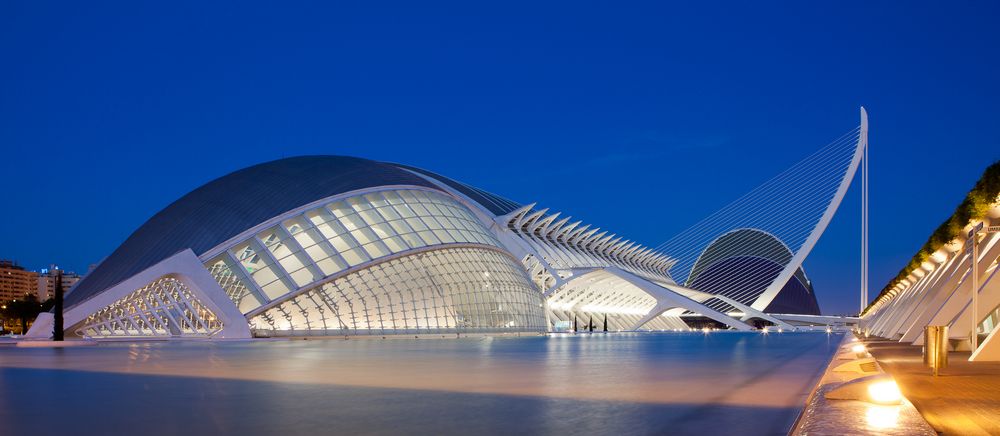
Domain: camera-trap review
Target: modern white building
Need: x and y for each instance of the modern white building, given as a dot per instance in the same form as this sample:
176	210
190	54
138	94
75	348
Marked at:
342	246
956	286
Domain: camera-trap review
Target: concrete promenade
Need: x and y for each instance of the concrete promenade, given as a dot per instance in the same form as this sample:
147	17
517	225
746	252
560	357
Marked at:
963	400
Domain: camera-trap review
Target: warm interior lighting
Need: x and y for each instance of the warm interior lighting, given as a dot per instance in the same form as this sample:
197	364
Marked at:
885	392
858	349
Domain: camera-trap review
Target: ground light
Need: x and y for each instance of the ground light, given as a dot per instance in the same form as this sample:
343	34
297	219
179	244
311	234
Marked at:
858	349
875	389
763	330
882	417
884	392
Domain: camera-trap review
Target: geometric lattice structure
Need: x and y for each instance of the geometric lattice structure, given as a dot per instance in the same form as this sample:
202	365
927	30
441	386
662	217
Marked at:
794	208
612	300
573	244
437	291
359	265
164	308
584	272
312	245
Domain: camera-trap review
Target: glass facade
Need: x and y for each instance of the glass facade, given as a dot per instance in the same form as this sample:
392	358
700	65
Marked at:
447	290
455	289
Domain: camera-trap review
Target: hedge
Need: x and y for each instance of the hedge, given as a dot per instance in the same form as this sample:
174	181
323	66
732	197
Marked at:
976	204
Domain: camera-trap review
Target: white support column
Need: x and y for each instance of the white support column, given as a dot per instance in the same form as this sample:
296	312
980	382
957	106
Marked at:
864	230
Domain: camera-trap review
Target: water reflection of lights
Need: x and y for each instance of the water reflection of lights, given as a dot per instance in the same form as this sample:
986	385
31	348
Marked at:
885	392
882	417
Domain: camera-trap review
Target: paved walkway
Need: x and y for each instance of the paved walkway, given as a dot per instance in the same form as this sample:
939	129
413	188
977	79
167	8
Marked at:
823	417
963	400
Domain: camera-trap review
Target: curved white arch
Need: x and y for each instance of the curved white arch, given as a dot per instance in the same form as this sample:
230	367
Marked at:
667	297
779	282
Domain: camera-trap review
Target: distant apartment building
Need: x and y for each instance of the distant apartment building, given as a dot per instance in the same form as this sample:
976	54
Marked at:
47	282
15	281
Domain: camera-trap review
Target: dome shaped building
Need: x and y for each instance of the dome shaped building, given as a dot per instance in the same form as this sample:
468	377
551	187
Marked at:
313	245
344	246
741	264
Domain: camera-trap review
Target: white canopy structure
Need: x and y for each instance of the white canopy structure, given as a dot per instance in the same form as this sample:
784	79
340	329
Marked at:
332	245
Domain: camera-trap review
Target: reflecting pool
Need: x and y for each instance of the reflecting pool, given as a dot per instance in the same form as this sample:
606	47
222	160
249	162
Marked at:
592	384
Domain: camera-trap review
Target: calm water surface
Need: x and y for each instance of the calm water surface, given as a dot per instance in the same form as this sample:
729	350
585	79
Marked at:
590	384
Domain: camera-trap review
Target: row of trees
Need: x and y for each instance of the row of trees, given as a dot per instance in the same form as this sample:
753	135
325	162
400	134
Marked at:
16	314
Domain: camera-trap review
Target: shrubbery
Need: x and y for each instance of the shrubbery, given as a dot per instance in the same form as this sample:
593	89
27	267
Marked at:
974	207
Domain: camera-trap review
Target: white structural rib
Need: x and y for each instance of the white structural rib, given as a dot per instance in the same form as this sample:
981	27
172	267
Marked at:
779	282
794	207
575	245
593	285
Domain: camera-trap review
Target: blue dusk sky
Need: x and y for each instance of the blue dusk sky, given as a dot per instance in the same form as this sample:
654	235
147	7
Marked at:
641	118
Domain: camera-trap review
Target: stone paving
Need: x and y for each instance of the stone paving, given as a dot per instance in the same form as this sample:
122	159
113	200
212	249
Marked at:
963	400
850	417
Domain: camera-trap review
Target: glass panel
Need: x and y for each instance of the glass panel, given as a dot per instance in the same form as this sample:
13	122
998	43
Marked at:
355	256
444	236
416	224
329	239
389	213
376	250
332	265
353	222
364	236
450	290
395	244
392	197
342	244
413	240
429	237
359	203
293	226
303	277
400	226
404	211
376	199
431	222
383	230
234	287
340	209
371	216
259	270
